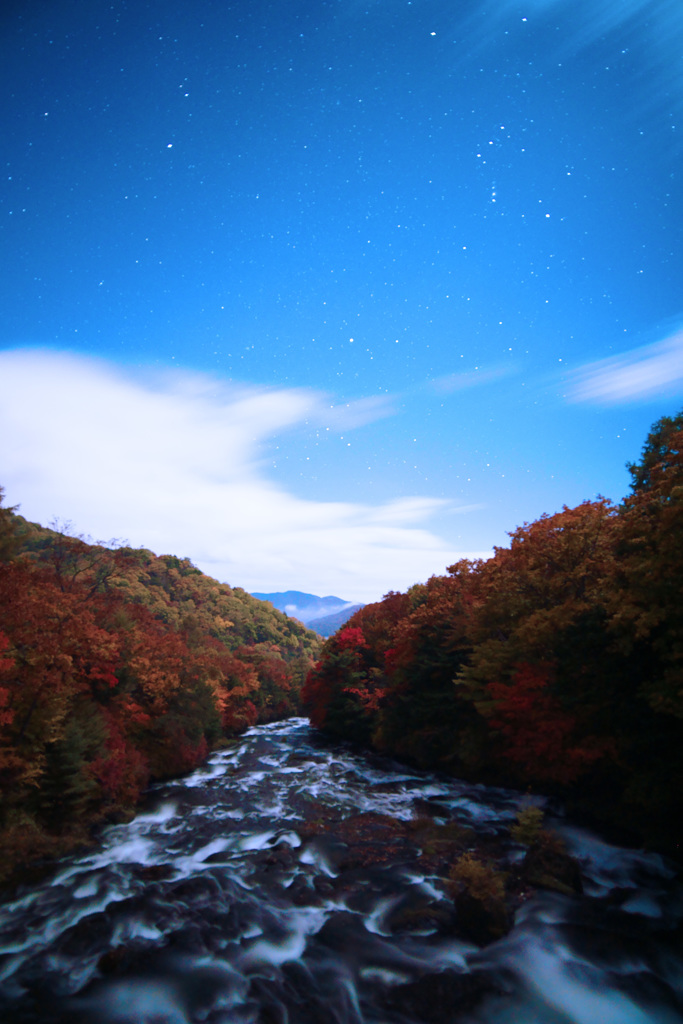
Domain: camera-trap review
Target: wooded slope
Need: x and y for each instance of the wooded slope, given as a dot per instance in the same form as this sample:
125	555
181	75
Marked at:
557	663
118	667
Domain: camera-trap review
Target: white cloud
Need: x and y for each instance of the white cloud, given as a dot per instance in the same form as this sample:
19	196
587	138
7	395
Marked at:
652	371
173	462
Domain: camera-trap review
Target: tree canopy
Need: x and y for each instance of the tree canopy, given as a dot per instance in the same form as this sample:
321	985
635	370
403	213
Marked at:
557	663
117	667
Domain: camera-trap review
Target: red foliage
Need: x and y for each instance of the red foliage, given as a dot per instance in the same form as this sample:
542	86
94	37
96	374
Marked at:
371	700
190	755
121	770
537	731
238	717
391	660
350	639
315	695
58	647
268	663
6	666
379	620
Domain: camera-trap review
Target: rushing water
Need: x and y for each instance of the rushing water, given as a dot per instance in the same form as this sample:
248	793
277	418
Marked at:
218	905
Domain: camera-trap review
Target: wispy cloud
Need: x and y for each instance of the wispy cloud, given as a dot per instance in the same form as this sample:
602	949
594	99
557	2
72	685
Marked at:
359	413
471	379
173	462
598	18
641	374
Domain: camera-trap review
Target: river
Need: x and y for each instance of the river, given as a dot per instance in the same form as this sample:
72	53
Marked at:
228	900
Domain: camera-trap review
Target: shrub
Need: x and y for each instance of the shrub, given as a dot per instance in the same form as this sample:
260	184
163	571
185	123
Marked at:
481	881
528	827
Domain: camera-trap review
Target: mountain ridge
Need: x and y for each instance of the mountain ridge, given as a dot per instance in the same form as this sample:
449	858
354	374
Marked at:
308	607
329	624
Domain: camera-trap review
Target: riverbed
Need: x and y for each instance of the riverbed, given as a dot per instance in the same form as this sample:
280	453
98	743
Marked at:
269	888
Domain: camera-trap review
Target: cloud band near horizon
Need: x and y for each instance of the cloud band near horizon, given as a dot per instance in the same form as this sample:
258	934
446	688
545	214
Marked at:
173	462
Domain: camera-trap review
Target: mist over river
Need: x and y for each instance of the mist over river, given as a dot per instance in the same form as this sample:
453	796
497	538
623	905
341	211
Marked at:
265	888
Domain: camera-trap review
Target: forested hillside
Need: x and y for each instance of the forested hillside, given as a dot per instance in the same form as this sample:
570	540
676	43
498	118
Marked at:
556	664
118	667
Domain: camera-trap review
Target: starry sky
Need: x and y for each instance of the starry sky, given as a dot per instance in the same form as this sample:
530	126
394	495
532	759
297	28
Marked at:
326	294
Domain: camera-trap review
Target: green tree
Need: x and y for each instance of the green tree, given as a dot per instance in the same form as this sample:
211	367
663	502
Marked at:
647	605
662	455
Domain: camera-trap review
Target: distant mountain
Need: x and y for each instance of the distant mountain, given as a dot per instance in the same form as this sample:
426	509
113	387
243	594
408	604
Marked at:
309	607
329	624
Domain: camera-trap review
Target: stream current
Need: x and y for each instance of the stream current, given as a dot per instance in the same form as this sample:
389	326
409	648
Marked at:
219	904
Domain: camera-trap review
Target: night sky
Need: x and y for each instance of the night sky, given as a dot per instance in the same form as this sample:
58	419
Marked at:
325	294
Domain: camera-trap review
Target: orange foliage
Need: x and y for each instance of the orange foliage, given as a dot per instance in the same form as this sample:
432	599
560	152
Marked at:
99	692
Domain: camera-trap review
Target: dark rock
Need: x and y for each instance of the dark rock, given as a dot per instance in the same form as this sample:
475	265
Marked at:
367	854
324	848
482	921
275	857
345	940
437	998
90	932
220	857
431	807
324	887
198	891
421	915
301	996
548	866
279	1004
116	961
128	959
153	872
374	840
302	892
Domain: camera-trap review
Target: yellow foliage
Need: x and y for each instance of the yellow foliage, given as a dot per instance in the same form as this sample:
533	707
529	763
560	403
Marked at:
528	826
482	882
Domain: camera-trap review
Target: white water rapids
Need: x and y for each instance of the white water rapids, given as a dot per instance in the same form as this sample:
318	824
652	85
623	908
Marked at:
216	905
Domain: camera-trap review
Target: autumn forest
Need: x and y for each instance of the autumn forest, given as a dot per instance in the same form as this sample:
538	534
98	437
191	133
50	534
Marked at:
555	665
117	668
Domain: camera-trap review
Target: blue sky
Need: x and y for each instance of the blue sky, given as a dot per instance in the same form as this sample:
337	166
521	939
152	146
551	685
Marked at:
327	294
